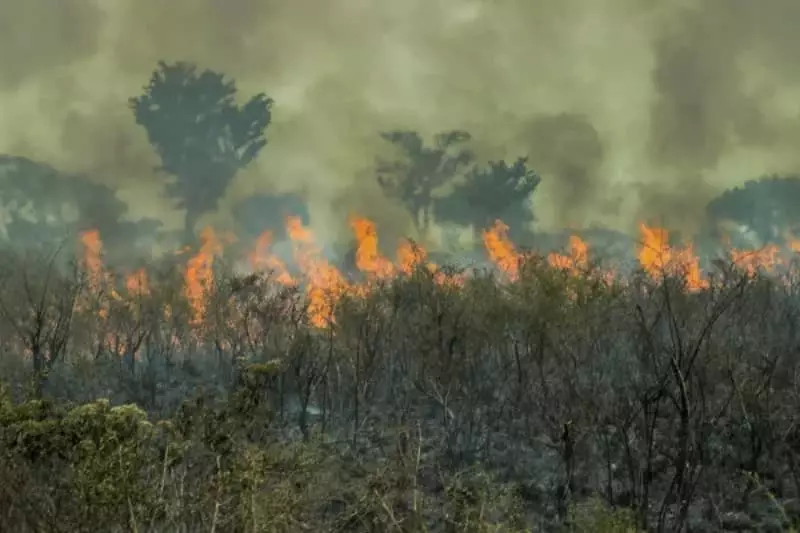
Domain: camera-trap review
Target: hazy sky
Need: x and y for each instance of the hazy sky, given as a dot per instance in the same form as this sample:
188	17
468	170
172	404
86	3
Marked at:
629	108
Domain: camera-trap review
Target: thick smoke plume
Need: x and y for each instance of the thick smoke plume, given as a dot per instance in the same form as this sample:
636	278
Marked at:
630	109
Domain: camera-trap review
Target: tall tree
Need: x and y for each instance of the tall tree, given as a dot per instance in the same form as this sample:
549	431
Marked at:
497	191
422	169
767	207
202	137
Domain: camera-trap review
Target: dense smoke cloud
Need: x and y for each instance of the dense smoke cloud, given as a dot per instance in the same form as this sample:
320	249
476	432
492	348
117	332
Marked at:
723	76
629	108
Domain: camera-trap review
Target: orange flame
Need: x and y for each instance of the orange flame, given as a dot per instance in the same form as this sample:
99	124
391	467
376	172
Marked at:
98	279
501	250
766	258
325	284
577	260
410	256
137	283
261	259
92	258
199	274
368	258
657	258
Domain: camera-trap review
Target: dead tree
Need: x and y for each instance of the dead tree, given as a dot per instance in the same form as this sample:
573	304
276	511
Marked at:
38	300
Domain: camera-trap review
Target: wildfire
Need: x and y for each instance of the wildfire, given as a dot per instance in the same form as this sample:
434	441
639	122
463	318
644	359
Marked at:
92	259
199	274
368	258
766	258
325	285
577	260
262	259
501	250
99	281
658	258
410	256
137	284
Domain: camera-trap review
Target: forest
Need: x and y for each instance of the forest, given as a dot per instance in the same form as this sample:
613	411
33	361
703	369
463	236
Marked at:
590	381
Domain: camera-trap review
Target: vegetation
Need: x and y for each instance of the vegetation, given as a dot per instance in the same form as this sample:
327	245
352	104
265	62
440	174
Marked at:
766	206
413	177
42	205
541	395
498	192
553	402
202	137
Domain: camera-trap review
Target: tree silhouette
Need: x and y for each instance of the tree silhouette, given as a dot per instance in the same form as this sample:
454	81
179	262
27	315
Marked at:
202	137
497	191
413	179
41	204
261	212
767	206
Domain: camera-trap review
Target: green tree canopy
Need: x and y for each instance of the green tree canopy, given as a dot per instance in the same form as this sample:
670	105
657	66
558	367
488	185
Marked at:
201	135
496	191
767	206
421	170
41	205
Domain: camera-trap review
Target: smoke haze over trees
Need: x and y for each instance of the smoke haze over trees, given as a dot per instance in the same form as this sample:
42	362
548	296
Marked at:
202	138
684	99
198	199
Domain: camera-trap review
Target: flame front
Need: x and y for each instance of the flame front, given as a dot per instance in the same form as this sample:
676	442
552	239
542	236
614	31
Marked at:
92	258
657	258
501	250
262	259
199	275
578	259
368	258
137	283
325	285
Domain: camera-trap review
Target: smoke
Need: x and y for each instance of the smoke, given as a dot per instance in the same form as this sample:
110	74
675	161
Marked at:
630	109
568	149
721	70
